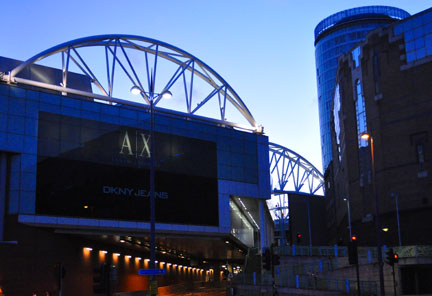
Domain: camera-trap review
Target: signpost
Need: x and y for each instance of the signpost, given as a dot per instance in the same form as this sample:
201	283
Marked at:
153	285
152	271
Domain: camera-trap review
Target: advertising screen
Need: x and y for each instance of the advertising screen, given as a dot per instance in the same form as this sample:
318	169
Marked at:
93	169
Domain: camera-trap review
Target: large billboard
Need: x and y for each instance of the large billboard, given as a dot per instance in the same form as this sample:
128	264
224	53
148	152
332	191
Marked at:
89	168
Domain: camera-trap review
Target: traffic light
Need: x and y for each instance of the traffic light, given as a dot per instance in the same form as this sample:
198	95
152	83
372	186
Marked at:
391	257
299	236
266	259
395	258
275	260
352	251
100	279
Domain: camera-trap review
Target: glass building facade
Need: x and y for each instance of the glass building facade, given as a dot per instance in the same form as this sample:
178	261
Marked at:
335	35
82	160
417	34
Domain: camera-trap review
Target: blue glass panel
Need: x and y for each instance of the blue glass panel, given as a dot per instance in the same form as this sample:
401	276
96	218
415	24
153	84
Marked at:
16	124
398	29
15	143
419	43
408	25
72	103
32	95
3	122
4	89
409	35
90	106
411	56
429	49
409	46
428	39
418	32
4	104
17	92
16	106
427	17
49	98
31	127
421	53
428	28
417	21
3	141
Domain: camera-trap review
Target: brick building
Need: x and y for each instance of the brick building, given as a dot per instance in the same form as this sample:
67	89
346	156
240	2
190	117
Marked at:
383	88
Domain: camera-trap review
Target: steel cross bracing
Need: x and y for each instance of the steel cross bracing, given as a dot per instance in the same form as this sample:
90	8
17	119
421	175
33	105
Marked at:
124	61
287	165
290	173
164	64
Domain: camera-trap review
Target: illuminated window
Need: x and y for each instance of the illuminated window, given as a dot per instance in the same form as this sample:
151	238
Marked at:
360	114
356	56
336	110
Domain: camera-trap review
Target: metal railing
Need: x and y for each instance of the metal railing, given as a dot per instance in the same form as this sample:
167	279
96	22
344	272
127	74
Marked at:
342	251
309	282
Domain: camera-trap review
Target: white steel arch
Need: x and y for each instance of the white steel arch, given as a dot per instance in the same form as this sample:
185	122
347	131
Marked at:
290	173
181	68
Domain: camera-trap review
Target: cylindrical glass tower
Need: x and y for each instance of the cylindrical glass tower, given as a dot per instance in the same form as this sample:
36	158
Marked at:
335	35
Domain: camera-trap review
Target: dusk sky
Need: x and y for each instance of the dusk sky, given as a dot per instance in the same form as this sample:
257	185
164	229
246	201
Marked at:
263	49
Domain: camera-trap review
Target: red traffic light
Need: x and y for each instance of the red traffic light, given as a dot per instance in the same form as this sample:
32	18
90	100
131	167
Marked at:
396	256
299	235
353	238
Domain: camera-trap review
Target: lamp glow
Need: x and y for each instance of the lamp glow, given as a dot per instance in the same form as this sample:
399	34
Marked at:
365	136
166	94
135	90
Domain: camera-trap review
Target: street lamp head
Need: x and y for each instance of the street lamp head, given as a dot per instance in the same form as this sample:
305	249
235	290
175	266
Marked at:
135	90
166	94
365	136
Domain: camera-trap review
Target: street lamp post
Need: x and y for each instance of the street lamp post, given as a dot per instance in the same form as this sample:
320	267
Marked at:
346	198
369	137
152	96
397	217
309	225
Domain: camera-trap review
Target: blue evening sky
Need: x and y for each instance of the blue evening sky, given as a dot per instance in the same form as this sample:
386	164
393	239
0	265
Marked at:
263	49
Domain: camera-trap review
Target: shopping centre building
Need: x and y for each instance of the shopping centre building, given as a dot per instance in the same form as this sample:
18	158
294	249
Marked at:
75	174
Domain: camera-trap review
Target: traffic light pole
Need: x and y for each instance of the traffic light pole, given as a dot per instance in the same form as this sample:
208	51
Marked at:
60	278
358	279
274	291
394	281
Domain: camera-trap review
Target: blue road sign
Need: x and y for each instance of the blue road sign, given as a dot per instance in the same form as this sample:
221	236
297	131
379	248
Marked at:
152	271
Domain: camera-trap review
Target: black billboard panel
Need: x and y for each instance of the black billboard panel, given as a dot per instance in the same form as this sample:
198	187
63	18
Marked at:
92	169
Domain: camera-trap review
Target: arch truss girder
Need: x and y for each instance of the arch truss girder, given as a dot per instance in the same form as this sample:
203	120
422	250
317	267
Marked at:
293	172
185	70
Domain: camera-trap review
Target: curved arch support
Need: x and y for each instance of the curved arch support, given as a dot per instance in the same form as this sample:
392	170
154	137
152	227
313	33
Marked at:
186	70
293	172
